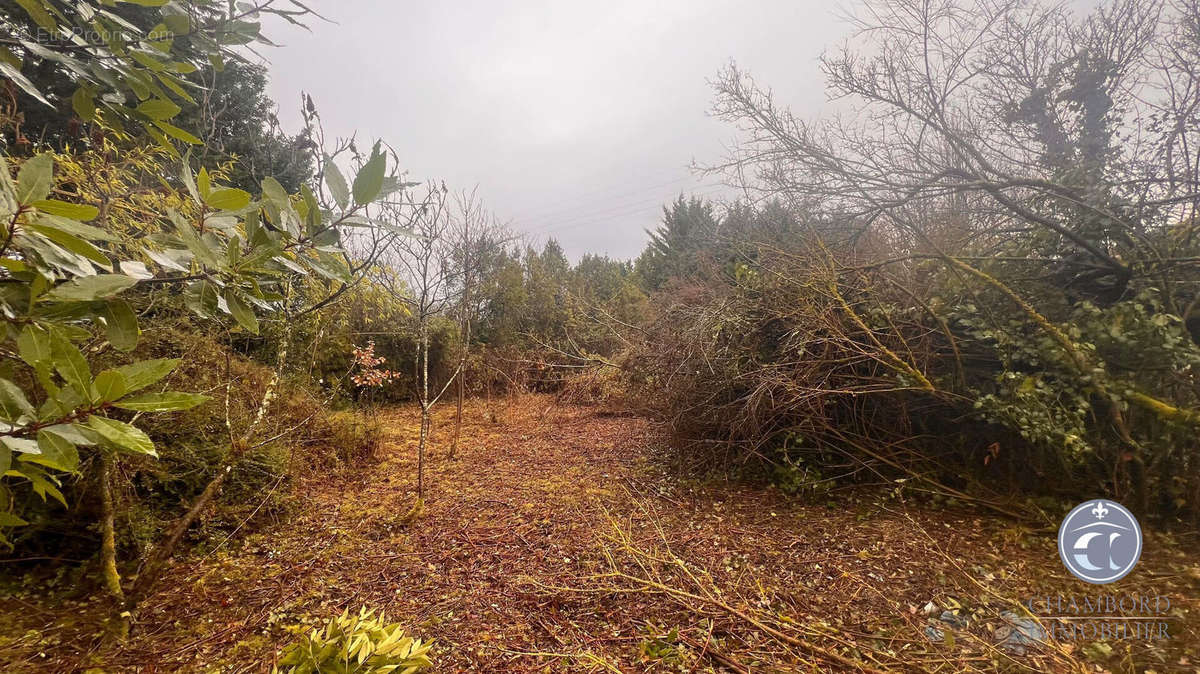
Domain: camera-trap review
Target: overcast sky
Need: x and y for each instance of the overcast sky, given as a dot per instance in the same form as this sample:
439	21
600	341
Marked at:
576	120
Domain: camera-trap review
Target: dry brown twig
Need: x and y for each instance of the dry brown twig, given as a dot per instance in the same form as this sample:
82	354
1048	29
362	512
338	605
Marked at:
660	571
1062	656
590	658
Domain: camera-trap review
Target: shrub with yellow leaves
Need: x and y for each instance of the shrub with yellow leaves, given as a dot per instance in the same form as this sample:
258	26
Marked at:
362	643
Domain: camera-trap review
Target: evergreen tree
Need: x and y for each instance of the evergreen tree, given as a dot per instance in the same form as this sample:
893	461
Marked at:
688	225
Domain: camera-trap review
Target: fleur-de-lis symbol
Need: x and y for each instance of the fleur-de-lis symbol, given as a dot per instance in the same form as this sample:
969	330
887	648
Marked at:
1099	511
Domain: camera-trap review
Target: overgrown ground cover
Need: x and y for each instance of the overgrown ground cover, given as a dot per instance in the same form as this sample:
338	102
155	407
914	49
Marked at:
514	566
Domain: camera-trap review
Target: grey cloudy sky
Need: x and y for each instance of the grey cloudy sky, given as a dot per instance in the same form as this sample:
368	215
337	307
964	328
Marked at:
576	120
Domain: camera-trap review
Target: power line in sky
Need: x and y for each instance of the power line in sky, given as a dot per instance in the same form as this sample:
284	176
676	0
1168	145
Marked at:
644	202
570	205
602	218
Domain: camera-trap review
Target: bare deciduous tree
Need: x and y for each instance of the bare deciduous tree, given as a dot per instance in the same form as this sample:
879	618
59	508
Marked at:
476	238
1076	134
417	270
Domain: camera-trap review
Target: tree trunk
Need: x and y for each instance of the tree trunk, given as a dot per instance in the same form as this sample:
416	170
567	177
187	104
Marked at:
108	540
421	454
158	557
457	416
464	332
424	410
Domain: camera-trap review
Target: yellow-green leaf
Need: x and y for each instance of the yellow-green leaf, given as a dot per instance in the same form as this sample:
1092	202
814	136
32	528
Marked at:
56	452
35	179
229	199
88	288
13	403
143	373
241	311
122	325
64	209
122	436
110	385
161	402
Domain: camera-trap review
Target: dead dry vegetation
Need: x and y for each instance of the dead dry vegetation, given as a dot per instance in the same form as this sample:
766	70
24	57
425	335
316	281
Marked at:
555	541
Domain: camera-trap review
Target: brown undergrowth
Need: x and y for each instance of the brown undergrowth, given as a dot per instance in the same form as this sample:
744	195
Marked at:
553	542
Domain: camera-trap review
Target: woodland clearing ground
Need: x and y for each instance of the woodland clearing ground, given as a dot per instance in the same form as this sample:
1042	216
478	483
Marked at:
502	568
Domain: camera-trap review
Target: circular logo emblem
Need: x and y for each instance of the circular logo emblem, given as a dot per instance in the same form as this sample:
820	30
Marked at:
1099	541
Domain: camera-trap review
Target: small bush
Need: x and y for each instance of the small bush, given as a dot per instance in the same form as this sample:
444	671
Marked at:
353	435
600	386
362	643
194	444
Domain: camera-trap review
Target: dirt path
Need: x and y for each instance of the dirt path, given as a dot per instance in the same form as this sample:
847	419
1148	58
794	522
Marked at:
531	504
